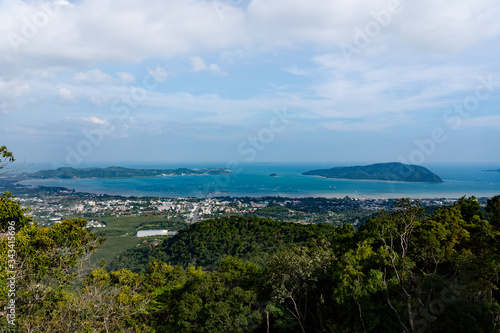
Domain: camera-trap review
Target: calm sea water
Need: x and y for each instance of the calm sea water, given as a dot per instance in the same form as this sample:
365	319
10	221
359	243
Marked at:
254	180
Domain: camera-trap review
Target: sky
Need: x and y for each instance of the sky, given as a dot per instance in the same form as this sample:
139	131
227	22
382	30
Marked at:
250	81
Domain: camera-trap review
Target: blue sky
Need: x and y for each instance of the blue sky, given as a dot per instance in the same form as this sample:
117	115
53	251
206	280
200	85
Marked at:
110	82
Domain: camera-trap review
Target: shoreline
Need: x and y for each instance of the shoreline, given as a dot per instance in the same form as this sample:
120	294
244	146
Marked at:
155	176
375	180
339	195
292	184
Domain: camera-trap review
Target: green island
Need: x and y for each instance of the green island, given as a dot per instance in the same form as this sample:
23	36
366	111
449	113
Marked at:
381	171
117	172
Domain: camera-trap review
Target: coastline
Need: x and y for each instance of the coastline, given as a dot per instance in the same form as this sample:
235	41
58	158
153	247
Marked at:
135	192
375	180
255	182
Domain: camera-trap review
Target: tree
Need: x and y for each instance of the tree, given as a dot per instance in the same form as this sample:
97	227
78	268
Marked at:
7	161
359	290
47	260
439	239
394	231
493	211
220	301
470	207
294	276
6	157
11	213
113	301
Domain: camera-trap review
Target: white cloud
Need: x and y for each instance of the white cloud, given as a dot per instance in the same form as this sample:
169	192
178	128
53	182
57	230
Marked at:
441	27
91	31
14	94
99	99
365	125
66	95
490	122
448	26
158	73
126	77
13	88
198	64
96	120
94	76
296	71
380	87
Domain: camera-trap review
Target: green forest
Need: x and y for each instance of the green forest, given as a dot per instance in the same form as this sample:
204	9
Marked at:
207	242
402	271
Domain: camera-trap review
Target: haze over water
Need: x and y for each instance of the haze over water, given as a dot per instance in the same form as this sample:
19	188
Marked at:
254	180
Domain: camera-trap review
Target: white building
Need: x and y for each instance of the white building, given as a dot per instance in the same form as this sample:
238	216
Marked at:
95	224
146	233
163	208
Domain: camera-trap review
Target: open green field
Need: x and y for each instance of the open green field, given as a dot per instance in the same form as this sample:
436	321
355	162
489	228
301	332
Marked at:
120	234
112	247
129	225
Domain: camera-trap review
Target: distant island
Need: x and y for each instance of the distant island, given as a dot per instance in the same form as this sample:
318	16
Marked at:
116	172
498	170
380	171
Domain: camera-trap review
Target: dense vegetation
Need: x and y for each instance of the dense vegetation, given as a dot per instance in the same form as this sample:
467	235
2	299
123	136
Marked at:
120	233
380	171
115	172
206	242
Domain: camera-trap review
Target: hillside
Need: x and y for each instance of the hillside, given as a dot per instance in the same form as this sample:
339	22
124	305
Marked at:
380	171
117	172
204	243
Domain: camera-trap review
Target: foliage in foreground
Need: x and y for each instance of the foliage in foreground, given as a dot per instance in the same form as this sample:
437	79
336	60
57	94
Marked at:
401	272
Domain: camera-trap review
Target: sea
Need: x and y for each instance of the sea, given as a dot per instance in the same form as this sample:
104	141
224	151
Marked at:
255	180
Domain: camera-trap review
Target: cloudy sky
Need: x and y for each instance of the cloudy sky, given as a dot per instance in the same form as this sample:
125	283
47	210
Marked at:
100	81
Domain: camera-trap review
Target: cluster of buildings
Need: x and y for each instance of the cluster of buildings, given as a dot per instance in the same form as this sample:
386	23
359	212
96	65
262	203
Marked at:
48	209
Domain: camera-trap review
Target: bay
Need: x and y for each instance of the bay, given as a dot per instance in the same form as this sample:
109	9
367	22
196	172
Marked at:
254	180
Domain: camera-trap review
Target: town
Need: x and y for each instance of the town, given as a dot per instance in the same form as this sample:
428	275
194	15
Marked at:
50	205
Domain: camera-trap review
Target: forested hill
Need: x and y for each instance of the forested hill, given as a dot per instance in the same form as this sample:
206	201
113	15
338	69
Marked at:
204	243
380	171
117	172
